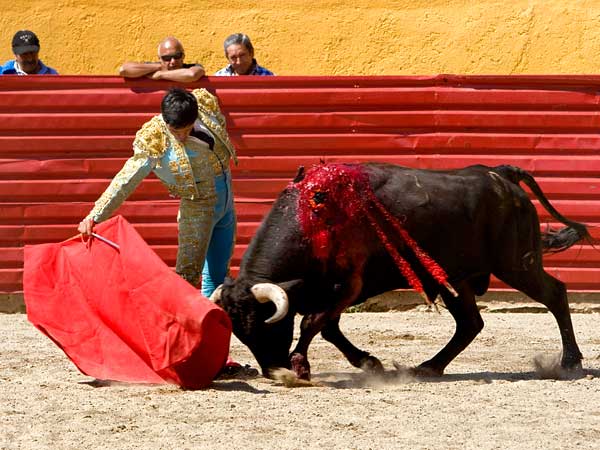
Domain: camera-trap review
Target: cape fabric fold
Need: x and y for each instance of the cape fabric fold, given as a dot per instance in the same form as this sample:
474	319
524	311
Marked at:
123	314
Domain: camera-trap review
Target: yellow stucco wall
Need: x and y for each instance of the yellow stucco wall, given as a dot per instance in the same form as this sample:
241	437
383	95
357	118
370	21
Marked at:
330	37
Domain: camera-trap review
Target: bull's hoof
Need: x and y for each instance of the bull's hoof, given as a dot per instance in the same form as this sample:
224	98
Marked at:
300	366
571	364
553	367
371	364
425	371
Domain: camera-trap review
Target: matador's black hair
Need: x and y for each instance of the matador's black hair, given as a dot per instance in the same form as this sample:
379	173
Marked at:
179	108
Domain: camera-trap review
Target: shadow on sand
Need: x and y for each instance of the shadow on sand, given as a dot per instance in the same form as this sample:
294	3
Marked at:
354	380
347	380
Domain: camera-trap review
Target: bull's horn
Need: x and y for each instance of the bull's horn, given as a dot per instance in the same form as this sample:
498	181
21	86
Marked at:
269	292
216	295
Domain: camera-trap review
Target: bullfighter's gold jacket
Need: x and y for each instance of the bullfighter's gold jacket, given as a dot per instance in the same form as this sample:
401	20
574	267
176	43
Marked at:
157	150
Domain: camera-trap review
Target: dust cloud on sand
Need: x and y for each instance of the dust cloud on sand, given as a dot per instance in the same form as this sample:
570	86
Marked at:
502	392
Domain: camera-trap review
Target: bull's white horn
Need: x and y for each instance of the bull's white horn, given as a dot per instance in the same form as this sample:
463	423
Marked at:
216	295
269	292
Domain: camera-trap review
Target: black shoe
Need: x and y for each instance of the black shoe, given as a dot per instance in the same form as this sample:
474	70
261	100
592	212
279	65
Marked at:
237	371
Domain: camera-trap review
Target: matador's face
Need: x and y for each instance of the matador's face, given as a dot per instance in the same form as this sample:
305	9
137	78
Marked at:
181	133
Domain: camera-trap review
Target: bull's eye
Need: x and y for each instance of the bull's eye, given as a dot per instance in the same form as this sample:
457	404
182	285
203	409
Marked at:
319	197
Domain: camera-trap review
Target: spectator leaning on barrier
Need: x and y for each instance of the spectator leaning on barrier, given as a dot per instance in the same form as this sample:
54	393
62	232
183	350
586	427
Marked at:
240	54
169	67
26	46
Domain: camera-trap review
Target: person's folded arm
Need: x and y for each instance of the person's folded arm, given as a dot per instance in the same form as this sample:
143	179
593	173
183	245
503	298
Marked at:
182	75
136	69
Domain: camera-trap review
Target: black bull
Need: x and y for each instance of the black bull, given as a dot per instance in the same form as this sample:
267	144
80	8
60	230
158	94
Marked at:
474	222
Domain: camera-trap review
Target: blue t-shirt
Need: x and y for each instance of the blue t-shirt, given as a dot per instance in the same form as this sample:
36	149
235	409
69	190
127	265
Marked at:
9	69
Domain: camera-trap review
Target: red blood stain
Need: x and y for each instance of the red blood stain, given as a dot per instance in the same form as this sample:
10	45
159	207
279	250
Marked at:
335	201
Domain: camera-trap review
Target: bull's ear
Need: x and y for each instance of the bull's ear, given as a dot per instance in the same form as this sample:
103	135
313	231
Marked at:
291	287
299	175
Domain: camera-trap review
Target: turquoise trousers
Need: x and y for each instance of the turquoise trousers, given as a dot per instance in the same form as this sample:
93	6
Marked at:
206	236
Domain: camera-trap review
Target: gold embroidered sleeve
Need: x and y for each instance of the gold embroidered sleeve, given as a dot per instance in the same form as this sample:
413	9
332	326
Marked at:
122	185
151	138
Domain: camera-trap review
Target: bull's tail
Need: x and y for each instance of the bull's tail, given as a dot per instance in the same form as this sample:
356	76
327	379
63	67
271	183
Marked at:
553	241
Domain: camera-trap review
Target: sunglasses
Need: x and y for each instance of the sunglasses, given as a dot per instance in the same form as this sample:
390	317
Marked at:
167	58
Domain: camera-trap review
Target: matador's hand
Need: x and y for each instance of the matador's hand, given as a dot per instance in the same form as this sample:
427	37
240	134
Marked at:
86	226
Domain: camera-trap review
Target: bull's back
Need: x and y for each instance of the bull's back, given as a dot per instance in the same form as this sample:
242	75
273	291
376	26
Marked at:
463	218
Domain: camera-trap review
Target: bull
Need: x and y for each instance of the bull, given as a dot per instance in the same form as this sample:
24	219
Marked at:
342	233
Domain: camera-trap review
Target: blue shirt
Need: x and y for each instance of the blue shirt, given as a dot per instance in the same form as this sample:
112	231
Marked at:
254	70
9	69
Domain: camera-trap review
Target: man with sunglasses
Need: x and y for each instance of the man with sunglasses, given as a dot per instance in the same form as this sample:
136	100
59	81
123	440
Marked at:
169	67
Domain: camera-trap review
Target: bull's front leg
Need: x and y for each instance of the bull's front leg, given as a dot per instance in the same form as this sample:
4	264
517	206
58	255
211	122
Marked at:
327	322
309	327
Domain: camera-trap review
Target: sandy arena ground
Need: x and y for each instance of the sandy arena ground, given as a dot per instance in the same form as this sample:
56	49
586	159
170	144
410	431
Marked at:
491	397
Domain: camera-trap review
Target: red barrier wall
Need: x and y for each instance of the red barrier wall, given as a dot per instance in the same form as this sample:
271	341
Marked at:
63	138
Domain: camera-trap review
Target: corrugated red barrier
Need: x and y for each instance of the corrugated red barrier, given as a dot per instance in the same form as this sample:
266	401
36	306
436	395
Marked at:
63	138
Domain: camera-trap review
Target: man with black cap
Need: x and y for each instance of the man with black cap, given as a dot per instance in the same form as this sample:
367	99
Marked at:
26	46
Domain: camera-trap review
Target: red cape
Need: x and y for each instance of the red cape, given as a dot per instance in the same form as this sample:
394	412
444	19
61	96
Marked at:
124	314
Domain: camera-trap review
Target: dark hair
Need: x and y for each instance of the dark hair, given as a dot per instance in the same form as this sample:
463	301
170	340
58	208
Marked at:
240	39
179	108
